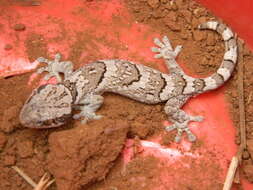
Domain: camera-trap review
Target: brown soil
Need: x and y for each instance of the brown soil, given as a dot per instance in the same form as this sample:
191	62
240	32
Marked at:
78	155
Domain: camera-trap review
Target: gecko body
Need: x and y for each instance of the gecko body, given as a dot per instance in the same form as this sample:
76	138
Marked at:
52	105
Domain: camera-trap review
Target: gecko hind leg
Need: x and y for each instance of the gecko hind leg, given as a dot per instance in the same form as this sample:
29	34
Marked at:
55	67
88	106
179	118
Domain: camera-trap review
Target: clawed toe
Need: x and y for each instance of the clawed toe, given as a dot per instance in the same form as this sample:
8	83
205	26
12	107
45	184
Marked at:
97	117
87	117
42	60
93	117
197	118
155	49
44	182
158	43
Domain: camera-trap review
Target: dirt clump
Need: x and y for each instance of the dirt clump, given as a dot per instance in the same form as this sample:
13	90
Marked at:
19	27
85	154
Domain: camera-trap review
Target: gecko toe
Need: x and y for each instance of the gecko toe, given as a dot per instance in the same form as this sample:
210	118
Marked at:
198	118
155	49
192	137
177	138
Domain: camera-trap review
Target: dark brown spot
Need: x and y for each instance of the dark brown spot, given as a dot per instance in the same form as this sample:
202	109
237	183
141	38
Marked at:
138	76
218	78
19	27
199	85
103	72
164	84
8	47
72	88
221	28
48	122
180	84
228	64
41	88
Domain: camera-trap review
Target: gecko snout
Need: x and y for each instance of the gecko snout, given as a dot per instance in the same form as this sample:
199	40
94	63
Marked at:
29	117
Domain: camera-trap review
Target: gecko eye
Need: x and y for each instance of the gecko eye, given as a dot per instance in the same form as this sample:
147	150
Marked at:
60	119
39	122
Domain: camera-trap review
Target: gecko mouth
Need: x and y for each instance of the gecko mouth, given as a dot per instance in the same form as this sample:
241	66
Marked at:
31	117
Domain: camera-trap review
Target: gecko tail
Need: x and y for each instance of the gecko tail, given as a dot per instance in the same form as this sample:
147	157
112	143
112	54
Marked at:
230	57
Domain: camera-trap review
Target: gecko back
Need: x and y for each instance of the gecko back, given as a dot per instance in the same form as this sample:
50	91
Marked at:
51	105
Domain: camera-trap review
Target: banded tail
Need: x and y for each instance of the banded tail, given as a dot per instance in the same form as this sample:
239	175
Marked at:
228	63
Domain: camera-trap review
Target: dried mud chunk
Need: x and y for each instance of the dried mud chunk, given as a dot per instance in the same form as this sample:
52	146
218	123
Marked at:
210	40
171	24
172	16
19	27
9	160
248	172
199	35
250	146
159	13
10	119
246	50
187	15
153	3
85	154
245	155
3	141
139	129
25	149
198	12
184	35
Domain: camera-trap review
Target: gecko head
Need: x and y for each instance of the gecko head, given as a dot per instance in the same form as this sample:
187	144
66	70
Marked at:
48	106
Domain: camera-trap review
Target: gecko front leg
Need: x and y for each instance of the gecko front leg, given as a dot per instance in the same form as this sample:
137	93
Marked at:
179	118
55	67
88	106
166	51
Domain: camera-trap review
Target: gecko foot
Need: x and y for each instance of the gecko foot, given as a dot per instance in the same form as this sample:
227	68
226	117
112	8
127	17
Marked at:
165	49
55	67
87	116
183	127
88	106
44	183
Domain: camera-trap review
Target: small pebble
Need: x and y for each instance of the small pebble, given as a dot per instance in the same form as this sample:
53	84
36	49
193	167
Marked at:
19	27
35	3
8	47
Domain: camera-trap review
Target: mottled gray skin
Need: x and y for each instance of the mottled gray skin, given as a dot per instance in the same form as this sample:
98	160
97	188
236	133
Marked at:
51	105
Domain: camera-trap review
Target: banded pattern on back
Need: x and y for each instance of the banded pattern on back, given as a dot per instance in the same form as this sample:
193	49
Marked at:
135	81
86	79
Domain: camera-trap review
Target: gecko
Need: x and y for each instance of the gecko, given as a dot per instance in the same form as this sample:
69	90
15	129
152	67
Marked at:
52	105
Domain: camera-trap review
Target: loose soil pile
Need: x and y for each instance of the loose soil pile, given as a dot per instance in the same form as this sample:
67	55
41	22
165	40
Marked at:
79	156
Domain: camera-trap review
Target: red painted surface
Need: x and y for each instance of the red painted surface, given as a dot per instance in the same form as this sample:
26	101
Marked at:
237	13
216	132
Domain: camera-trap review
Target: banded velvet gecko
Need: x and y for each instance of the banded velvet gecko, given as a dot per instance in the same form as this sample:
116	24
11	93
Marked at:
51	105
